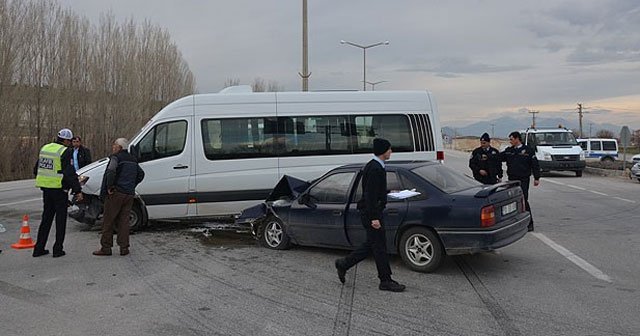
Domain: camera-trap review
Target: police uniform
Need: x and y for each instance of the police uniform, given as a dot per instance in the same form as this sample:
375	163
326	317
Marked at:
487	159
55	175
521	163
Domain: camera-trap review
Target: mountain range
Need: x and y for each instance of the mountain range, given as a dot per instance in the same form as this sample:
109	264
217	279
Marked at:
504	125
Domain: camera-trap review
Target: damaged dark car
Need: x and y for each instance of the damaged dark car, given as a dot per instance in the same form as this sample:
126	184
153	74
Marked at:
452	214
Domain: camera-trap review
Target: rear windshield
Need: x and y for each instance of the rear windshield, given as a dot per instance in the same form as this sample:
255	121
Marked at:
445	178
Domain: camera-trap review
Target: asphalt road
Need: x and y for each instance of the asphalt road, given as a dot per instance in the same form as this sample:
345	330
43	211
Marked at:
578	274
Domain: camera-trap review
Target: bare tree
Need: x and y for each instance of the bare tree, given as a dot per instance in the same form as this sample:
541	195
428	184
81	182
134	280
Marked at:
260	85
231	82
604	134
57	70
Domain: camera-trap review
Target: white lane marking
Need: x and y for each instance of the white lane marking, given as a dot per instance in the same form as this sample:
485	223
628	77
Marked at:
598	193
554	182
25	201
624	199
598	274
576	187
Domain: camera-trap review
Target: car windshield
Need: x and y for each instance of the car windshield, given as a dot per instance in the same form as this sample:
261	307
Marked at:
445	178
552	139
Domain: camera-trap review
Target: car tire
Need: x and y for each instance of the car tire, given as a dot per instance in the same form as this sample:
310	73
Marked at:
273	235
578	173
421	250
607	159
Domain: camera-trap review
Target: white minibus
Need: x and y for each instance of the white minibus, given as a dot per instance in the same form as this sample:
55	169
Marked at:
209	155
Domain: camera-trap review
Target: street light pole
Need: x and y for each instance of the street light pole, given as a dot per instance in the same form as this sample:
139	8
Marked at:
373	84
364	58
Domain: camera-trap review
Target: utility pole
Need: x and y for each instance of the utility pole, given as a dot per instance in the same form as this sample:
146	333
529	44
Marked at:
533	116
305	49
492	128
590	124
580	117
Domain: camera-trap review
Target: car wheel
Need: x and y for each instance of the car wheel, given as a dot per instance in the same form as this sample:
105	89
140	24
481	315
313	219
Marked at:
421	250
607	159
274	235
578	173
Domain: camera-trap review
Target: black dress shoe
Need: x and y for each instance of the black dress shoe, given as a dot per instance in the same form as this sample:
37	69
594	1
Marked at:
59	254
342	272
40	253
391	286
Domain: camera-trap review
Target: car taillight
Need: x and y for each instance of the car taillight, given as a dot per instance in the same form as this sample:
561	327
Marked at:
488	216
440	155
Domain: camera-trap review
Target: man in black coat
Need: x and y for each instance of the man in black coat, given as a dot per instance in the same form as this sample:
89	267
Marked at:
373	202
81	154
485	162
521	163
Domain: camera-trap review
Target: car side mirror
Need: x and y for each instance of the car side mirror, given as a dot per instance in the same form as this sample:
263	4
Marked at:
305	199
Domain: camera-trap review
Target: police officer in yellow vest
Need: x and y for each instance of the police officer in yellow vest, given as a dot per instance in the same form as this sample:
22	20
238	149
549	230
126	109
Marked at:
55	175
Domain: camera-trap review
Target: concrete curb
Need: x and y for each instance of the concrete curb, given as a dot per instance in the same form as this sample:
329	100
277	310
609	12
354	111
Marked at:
606	172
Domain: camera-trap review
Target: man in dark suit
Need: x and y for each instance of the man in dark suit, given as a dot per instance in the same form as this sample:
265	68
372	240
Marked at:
373	202
521	163
485	162
81	154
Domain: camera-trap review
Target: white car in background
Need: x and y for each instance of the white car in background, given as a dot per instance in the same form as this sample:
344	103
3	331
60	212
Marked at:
635	158
635	170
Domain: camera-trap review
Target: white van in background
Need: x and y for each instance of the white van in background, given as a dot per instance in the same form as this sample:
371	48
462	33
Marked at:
215	154
556	149
600	149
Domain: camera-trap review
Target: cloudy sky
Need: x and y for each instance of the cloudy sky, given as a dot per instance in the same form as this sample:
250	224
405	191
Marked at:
480	58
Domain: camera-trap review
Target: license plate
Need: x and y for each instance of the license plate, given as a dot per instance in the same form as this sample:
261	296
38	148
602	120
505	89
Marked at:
509	208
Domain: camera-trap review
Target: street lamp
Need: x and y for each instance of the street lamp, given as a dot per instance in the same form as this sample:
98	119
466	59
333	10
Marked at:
364	58
373	84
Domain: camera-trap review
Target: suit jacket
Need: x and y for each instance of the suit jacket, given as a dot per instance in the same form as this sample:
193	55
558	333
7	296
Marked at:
374	191
84	156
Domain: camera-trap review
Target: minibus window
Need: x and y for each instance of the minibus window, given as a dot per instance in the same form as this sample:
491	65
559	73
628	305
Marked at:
595	145
240	138
394	128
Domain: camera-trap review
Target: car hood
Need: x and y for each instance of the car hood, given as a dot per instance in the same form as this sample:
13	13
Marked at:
283	194
94	173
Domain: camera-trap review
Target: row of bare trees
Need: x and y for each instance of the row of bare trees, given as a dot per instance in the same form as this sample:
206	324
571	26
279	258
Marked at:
102	80
258	85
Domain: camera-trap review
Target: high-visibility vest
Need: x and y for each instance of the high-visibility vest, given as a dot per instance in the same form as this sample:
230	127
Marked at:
50	166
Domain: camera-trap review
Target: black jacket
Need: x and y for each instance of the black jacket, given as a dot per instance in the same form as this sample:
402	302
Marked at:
69	176
374	190
488	161
84	156
521	162
122	174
